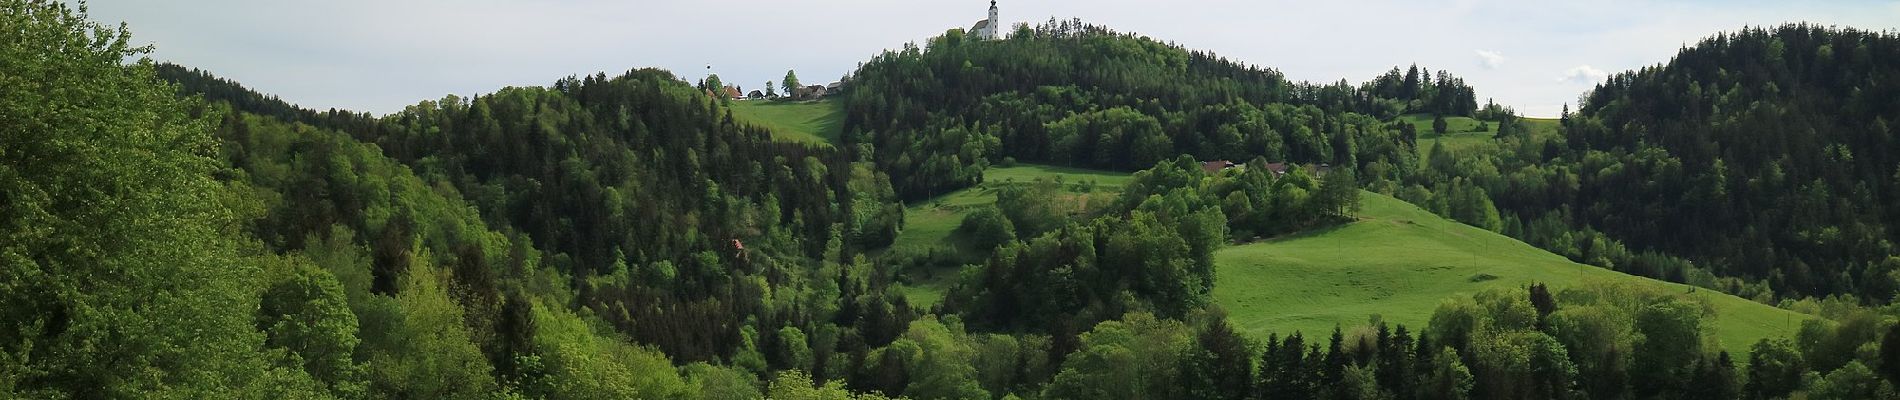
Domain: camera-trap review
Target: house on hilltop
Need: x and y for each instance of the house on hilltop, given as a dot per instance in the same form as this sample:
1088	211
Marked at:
813	92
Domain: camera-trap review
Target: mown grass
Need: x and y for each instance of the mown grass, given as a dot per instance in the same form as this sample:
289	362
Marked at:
1399	262
819	122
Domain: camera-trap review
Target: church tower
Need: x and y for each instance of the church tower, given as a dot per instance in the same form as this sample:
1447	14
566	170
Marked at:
988	29
995	23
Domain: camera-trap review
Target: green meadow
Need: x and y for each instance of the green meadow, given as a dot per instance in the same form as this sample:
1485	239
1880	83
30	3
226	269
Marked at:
820	122
1399	261
1396	261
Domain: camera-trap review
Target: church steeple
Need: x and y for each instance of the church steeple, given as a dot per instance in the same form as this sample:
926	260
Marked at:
995	23
988	29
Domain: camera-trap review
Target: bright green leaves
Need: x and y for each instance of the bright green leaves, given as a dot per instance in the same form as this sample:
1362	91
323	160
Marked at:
123	277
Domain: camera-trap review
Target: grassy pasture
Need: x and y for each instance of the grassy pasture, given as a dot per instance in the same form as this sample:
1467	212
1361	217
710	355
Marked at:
1399	261
820	122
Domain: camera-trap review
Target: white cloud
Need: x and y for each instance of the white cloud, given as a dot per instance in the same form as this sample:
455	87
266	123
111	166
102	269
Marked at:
1490	59
1583	74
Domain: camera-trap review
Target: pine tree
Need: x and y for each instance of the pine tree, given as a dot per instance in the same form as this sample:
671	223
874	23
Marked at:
1890	355
1219	365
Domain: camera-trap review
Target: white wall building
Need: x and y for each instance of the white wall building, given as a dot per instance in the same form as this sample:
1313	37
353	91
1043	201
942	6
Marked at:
989	29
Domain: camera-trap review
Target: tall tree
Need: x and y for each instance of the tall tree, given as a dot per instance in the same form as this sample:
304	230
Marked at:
790	82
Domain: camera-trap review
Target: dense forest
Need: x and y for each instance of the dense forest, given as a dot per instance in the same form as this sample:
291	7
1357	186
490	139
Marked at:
1754	162
165	233
1069	93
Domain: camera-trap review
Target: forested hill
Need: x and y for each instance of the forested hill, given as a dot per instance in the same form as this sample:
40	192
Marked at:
1068	93
168	234
1767	154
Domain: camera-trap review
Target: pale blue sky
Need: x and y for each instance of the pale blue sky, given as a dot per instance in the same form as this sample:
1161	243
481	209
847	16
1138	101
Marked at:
380	56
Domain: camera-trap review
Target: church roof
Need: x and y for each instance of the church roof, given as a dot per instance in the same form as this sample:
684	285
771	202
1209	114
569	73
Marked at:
980	24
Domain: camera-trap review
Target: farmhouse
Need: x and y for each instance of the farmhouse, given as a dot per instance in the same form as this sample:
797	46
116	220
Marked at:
1278	168
1216	166
812	92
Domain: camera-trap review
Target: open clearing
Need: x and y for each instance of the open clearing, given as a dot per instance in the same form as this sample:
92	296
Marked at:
819	122
1400	261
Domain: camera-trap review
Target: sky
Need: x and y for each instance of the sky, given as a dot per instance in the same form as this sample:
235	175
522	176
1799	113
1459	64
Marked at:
380	56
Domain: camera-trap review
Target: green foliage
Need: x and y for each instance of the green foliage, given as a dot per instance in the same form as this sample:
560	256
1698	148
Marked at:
1133	358
1069	93
1107	138
1729	167
790	82
940	361
306	313
1774	369
712	382
1081	274
580	362
1852	381
1218	365
424	352
985	229
1447	378
506	245
125	274
796	385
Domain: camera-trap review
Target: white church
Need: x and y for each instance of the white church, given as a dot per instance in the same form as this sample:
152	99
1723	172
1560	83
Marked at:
989	29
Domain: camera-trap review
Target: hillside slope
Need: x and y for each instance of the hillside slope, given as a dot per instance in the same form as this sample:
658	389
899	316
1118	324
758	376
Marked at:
1399	261
815	122
1760	161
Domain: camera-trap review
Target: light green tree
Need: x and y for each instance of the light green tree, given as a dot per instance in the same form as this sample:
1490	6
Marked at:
1134	358
306	313
796	385
790	82
426	351
943	367
584	363
721	382
1448	379
121	275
